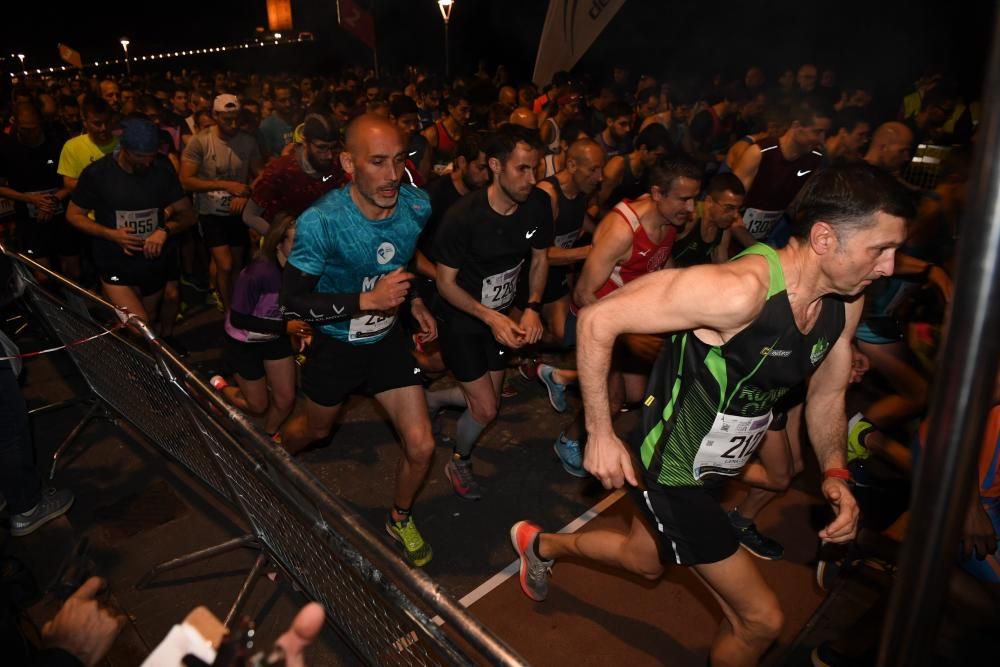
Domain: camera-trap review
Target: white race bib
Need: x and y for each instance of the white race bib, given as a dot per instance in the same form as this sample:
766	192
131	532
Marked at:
760	223
566	240
369	325
142	223
33	210
218	202
729	444
499	289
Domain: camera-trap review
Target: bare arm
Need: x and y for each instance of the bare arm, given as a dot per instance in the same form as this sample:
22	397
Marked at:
425	266
538	274
612	244
446	278
826	421
614	170
191	182
748	164
431	135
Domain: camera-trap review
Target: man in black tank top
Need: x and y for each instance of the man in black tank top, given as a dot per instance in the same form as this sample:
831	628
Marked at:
624	175
707	240
745	333
570	192
773	171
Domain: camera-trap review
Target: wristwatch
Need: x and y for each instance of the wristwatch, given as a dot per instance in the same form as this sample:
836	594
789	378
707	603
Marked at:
534	305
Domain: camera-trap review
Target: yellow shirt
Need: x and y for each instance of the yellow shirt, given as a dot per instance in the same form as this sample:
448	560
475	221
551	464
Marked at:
79	152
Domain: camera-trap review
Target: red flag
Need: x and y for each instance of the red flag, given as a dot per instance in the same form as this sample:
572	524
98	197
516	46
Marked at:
71	56
356	21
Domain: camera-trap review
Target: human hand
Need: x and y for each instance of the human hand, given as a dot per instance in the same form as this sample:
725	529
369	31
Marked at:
607	459
389	292
531	323
126	239
979	539
82	627
844	526
237	189
154	244
301	633
428	325
505	330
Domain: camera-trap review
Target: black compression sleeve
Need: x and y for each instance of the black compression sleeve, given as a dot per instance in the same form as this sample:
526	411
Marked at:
256	324
300	302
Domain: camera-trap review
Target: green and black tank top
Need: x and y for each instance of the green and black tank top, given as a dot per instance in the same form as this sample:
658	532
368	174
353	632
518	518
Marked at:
699	394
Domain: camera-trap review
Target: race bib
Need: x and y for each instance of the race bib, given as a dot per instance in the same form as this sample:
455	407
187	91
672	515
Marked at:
729	444
566	240
141	223
33	210
760	223
369	325
218	202
499	289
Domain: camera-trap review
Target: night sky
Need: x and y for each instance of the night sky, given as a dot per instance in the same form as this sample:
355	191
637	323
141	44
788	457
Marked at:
885	42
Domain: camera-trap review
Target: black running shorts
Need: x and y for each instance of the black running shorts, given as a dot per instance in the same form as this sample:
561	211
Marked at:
220	230
470	353
335	369
690	524
247	359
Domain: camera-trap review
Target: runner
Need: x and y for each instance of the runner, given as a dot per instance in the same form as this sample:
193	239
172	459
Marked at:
773	171
624	174
443	136
218	165
346	276
129	193
633	240
702	423
707	241
259	342
480	249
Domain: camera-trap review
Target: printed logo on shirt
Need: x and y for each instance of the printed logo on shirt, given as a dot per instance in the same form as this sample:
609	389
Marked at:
385	253
801	173
819	351
528	235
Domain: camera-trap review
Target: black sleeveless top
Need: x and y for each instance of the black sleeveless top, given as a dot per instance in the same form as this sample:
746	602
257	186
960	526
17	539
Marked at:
568	228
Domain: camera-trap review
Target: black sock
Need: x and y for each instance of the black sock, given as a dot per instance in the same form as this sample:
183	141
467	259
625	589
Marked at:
534	546
400	511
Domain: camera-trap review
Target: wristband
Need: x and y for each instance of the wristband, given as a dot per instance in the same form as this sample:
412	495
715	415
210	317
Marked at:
534	305
838	473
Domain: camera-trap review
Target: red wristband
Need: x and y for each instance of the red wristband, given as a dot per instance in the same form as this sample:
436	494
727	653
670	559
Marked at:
837	473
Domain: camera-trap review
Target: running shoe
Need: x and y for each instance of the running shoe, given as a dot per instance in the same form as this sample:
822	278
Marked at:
528	369
459	473
857	428
218	382
216	300
51	505
417	551
509	390
750	538
824	655
535	572
557	392
570	454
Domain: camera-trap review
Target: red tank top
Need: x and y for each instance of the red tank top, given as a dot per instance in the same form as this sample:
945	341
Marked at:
446	144
646	256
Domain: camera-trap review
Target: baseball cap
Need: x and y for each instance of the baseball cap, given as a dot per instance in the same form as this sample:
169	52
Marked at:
139	135
317	128
226	103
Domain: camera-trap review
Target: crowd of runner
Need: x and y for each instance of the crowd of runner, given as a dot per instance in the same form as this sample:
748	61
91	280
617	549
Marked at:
693	250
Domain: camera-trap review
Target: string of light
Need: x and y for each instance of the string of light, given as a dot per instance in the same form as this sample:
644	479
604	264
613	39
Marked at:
274	40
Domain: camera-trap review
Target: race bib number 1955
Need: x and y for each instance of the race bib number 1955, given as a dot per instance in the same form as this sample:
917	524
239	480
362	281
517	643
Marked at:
141	223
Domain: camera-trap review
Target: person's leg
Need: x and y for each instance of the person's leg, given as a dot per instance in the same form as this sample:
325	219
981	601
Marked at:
894	362
753	617
634	551
169	307
20	485
281	377
482	395
237	252
222	257
126	297
449	397
248	395
151	304
314	423
554	315
408	414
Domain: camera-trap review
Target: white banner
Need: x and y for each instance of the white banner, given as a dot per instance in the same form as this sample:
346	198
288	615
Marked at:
571	26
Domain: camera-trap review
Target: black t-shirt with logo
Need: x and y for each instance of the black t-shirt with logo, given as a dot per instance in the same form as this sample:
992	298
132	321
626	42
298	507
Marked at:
490	250
120	199
30	169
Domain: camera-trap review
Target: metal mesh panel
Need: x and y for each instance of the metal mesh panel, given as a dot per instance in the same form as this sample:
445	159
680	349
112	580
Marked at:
924	168
334	574
128	380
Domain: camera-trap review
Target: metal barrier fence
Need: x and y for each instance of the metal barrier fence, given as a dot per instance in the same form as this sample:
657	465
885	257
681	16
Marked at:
379	604
924	168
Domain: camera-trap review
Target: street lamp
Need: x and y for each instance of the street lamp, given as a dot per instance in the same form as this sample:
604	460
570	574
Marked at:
446	6
20	57
128	66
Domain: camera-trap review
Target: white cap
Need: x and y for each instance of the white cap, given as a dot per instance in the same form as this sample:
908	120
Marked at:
226	103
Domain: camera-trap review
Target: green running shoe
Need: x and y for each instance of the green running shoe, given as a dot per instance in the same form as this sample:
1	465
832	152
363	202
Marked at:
416	549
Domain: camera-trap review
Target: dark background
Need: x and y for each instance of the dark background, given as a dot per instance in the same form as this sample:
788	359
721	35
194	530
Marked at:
886	43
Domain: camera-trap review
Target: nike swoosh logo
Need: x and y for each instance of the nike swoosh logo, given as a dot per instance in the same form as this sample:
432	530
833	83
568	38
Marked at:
327	177
528	235
643	254
801	173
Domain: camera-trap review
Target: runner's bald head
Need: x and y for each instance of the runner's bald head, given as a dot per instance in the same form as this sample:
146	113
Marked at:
584	152
366	126
524	117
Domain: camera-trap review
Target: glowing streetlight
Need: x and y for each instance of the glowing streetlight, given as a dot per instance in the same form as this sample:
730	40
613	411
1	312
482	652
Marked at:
20	57
446	6
128	65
